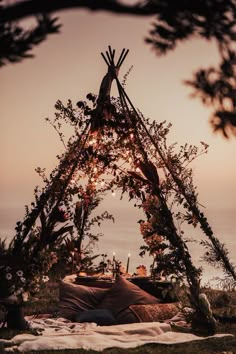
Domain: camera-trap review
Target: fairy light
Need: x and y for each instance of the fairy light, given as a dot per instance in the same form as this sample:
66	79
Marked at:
113	193
137	169
92	141
131	135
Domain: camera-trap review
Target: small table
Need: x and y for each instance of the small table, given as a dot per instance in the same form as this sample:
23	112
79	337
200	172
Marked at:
159	289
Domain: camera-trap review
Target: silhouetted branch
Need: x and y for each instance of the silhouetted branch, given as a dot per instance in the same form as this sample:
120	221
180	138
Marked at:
217	87
28	8
16	42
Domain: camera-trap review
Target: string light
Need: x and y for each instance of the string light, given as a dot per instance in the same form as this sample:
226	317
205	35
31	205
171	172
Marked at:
92	141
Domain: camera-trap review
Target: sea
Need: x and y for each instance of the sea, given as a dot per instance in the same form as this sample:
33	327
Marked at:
123	237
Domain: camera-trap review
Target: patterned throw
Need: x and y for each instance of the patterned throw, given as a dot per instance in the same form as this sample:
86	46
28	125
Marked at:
155	312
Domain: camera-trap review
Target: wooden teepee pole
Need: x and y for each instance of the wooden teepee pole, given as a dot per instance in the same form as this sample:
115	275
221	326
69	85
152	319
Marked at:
230	268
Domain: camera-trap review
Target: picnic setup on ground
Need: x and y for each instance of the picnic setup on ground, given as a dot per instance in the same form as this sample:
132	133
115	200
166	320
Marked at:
101	302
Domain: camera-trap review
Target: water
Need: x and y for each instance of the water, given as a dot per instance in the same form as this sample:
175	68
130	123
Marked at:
123	237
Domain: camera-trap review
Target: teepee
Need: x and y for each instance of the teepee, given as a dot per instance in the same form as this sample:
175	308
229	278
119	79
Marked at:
113	138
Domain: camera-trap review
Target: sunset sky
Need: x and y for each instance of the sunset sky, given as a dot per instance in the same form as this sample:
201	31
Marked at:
68	66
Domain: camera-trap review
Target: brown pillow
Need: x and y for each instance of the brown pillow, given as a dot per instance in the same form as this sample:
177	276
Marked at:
73	299
121	296
155	312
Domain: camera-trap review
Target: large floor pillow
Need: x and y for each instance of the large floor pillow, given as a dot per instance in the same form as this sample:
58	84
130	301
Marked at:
156	312
74	299
101	317
122	295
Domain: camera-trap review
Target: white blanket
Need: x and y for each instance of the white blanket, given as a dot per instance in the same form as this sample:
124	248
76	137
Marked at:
62	334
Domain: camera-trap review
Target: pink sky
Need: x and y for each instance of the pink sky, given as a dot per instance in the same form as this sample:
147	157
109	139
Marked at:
69	65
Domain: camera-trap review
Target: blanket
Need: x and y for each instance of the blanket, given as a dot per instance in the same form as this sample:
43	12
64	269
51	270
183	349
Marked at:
62	334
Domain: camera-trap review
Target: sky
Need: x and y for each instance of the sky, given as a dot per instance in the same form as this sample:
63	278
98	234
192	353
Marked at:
68	66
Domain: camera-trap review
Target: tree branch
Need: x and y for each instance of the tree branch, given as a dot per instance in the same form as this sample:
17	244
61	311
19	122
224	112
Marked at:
28	8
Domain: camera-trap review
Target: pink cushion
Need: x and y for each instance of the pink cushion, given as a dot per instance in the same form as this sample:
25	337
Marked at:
121	296
73	299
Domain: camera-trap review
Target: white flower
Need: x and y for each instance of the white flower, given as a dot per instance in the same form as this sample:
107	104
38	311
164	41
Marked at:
19	273
8	276
45	278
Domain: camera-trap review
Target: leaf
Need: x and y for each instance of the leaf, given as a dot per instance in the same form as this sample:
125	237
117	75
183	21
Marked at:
150	172
137	176
78	210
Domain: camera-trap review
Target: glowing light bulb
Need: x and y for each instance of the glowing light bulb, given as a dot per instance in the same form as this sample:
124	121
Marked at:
131	136
137	169
92	141
113	193
92	179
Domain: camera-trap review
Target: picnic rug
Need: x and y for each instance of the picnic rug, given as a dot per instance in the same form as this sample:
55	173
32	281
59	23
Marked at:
63	334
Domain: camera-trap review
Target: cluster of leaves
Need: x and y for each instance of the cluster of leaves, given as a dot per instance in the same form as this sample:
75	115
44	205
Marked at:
33	255
178	21
217	87
17	43
211	20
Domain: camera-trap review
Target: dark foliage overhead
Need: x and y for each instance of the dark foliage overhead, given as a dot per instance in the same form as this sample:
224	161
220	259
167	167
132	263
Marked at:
217	87
173	22
182	19
16	43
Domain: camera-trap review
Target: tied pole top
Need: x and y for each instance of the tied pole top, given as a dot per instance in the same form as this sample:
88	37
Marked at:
112	73
109	59
104	106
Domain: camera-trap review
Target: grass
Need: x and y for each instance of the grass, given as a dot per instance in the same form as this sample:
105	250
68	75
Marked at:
223	305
